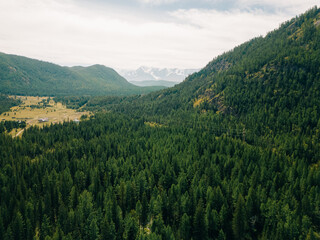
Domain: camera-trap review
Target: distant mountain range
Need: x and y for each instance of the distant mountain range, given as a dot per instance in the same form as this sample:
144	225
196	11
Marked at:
25	76
155	74
150	83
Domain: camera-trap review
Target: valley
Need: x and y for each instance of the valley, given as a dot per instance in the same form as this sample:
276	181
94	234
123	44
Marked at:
40	111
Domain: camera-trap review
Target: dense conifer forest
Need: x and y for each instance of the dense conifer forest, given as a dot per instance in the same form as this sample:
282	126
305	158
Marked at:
6	103
233	152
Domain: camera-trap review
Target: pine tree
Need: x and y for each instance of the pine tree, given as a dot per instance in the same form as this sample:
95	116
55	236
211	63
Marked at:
212	221
2	230
131	228
222	235
9	234
18	227
168	234
185	227
199	224
139	211
93	231
108	230
45	227
239	221
158	225
144	210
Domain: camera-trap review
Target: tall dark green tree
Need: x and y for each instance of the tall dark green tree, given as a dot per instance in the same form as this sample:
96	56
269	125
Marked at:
239	221
131	228
18	227
199	223
185	227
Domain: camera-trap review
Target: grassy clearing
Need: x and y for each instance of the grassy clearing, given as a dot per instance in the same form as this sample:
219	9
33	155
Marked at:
34	108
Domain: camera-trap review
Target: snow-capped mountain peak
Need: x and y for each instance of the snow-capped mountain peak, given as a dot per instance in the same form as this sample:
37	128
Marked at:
149	73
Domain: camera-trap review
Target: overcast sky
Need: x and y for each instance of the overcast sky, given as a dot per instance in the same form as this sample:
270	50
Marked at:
126	34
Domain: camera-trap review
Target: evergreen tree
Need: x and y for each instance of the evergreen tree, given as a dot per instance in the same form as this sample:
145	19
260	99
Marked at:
108	230
239	221
18	227
93	230
144	210
199	224
131	229
185	227
45	227
221	235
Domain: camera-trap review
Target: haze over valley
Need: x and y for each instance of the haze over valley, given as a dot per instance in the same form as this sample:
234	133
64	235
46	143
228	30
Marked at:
149	76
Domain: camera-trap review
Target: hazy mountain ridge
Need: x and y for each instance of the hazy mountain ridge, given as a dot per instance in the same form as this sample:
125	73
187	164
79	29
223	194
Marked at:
26	76
147	83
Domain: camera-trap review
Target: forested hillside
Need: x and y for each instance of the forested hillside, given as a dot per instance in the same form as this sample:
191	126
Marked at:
25	76
280	70
117	178
233	152
6	103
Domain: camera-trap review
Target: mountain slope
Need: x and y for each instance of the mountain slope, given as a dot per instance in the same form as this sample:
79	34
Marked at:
21	75
269	86
280	69
101	74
